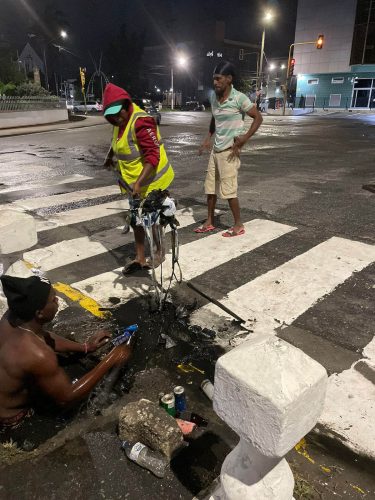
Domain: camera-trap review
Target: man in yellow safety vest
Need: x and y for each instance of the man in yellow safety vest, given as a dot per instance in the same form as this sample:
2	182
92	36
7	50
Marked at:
142	160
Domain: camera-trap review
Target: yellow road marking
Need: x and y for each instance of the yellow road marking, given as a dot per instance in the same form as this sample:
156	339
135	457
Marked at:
301	448
357	488
76	296
189	368
325	469
83	300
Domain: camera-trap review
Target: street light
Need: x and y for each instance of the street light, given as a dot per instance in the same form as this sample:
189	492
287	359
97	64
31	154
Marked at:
63	34
266	19
181	61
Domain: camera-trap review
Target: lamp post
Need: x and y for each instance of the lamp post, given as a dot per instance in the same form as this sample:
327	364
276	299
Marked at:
267	18
319	42
181	61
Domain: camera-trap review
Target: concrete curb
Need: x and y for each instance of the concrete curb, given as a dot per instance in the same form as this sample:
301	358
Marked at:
53	127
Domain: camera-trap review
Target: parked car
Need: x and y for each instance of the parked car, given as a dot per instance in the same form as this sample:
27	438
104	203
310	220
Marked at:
91	106
149	107
192	106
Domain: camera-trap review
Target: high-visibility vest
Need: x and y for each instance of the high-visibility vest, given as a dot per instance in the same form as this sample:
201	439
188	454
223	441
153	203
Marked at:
130	160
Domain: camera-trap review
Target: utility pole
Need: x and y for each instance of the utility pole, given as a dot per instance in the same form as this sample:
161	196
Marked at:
319	45
261	60
172	88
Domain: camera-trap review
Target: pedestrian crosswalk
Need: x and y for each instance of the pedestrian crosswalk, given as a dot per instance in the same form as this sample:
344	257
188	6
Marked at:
79	258
279	295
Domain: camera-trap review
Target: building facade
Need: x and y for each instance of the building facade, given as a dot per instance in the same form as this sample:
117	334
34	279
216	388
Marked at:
342	73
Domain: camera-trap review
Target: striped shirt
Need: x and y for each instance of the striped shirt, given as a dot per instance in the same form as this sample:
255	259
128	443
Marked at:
229	118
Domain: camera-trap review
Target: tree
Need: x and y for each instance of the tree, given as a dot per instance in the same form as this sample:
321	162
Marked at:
7	88
9	67
30	88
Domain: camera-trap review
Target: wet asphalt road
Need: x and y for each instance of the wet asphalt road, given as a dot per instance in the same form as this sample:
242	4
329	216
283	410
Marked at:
305	171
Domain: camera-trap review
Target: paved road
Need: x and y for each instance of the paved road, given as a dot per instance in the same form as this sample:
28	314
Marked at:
304	270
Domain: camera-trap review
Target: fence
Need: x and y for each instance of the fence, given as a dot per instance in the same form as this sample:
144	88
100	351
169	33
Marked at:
30	103
332	101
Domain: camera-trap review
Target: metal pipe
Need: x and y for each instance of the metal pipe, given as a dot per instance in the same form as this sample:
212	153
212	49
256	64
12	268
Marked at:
172	89
216	302
261	60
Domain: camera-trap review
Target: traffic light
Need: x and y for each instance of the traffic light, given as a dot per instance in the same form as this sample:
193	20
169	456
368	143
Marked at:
82	72
320	42
291	67
241	54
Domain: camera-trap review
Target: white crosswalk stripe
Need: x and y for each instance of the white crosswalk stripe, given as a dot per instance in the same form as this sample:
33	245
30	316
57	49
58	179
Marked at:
276	297
283	294
61	199
77	215
196	258
67	179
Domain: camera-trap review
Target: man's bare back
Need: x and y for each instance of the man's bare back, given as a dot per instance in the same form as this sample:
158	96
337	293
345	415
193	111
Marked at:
20	353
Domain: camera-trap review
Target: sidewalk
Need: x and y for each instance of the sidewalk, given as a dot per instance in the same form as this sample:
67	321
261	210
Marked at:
82	122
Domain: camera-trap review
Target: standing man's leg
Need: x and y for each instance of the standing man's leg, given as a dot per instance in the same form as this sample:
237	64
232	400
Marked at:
211	204
210	190
139	236
228	171
235	208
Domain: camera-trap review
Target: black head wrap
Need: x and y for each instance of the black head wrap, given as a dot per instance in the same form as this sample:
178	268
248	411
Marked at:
225	68
25	295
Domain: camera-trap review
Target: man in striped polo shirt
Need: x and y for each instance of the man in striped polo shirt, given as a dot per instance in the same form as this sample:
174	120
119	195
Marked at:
229	106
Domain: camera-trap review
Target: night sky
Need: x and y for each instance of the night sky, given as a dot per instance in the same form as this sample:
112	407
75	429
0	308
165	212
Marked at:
93	22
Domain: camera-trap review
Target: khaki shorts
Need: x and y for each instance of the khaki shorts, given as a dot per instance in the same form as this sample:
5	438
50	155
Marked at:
221	177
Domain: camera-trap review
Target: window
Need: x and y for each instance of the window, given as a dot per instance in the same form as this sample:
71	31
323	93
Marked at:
334	100
362	83
339	79
313	81
310	101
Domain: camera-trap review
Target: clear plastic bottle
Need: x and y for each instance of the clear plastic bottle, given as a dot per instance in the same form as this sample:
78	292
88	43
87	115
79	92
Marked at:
149	459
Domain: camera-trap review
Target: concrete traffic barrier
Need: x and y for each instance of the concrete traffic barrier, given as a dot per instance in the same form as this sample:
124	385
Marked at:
17	231
271	394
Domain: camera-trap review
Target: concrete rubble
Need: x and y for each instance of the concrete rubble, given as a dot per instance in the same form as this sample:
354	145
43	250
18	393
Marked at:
151	425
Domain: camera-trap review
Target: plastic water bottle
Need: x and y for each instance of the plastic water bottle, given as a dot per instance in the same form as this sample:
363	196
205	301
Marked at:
149	459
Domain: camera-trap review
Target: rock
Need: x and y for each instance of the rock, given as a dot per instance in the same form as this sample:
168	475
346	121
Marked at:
150	424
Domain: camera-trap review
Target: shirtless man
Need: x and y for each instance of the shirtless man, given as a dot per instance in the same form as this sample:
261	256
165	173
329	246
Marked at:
28	362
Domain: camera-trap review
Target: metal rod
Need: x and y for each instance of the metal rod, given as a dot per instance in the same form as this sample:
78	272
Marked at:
216	302
260	85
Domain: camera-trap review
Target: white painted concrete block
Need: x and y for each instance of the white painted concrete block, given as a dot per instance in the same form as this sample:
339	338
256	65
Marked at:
17	231
270	393
246	474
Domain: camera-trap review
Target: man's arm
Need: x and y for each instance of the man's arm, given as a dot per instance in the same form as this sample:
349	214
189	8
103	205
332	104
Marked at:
65	345
108	162
53	381
206	144
242	139
145	131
